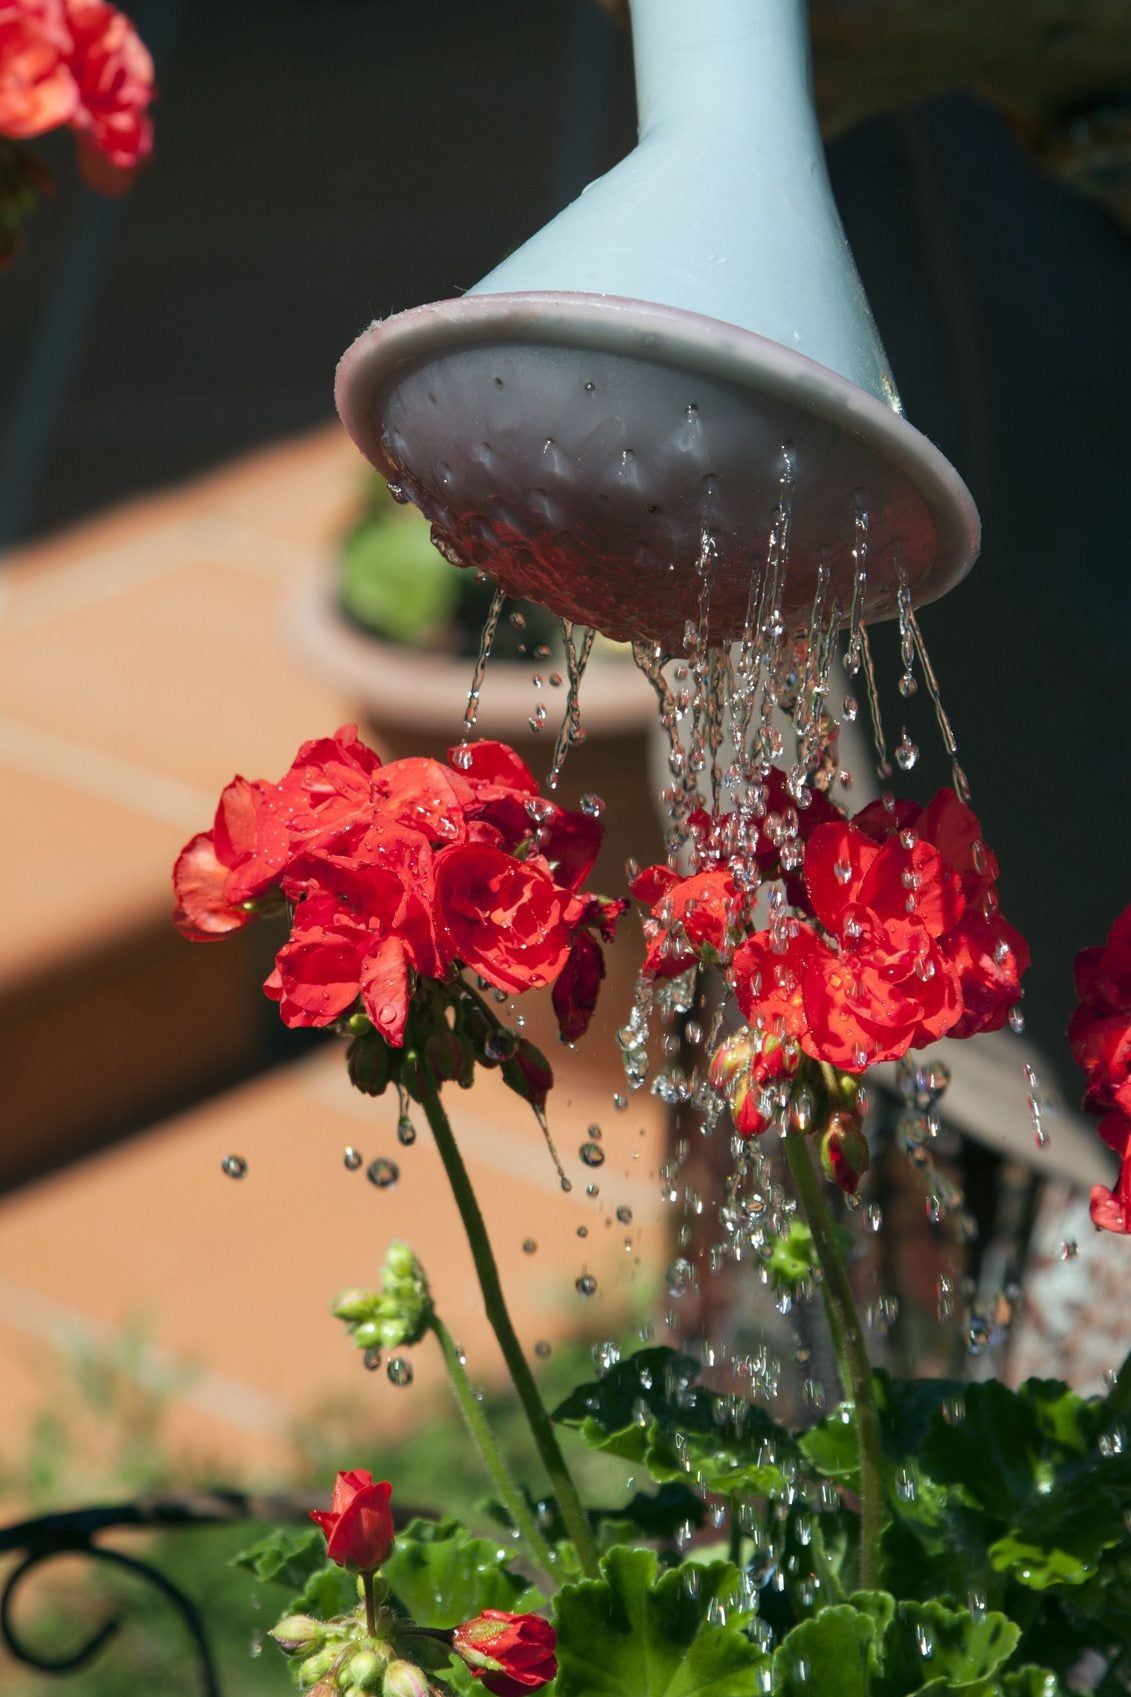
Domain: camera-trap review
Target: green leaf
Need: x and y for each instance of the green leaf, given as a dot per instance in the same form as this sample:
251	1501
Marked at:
440	1575
635	1634
285	1558
649	1410
831	1655
329	1591
1032	1682
927	1647
793	1258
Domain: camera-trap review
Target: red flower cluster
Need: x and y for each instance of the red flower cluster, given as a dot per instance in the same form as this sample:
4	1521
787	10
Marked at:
359	1522
79	63
1100	1034
403	872
908	944
699	918
510	1654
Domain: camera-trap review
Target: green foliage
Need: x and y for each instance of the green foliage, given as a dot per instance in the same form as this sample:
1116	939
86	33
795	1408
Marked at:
439	1575
873	1646
635	1633
649	1410
298	1560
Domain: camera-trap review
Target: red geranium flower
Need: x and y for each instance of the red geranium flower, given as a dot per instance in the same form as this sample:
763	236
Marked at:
1100	1029
510	1654
395	873
990	955
689	916
37	88
113	73
504	917
365	924
886	985
359	1523
1111	1209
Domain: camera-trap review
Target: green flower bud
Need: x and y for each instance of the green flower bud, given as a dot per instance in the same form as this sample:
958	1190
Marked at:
363	1671
367	1335
317	1667
391	1333
354	1305
400	1259
296	1633
405	1679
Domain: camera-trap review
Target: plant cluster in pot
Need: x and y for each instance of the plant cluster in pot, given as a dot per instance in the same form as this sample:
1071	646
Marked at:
395	626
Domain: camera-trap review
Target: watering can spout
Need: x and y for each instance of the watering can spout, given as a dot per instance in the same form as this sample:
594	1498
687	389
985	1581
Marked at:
725	207
680	351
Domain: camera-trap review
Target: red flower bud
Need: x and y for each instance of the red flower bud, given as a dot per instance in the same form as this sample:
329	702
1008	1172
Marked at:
359	1523
749	1120
511	1654
844	1152
731	1058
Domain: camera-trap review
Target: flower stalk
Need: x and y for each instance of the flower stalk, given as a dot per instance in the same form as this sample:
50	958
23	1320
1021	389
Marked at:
477	1424
541	1427
851	1351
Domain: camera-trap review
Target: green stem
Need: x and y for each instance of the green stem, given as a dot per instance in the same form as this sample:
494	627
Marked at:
370	1603
852	1353
470	1407
541	1428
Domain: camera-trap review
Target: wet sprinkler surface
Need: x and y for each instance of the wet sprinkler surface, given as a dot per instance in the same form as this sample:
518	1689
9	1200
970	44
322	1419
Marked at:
577	448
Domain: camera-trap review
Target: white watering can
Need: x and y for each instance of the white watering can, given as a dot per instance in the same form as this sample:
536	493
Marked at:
684	344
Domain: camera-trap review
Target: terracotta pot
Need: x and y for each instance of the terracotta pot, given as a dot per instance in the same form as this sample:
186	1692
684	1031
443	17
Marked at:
412	703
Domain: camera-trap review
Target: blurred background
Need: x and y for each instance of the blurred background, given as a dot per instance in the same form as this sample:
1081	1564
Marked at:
198	573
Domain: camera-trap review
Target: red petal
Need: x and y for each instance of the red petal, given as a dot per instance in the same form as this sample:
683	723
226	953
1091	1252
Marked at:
384	989
829	848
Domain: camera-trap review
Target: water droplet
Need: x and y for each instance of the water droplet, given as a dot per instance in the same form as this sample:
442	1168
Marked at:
594	805
977	1335
371	1360
399	1371
624	1215
1016	1019
529	1246
906	753
592	1154
543	1350
382	1172
586	1285
352	1159
606	1355
620	1103
1069	1249
234	1166
406	1131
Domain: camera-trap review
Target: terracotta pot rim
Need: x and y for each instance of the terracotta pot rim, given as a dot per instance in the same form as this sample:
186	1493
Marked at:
408	686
